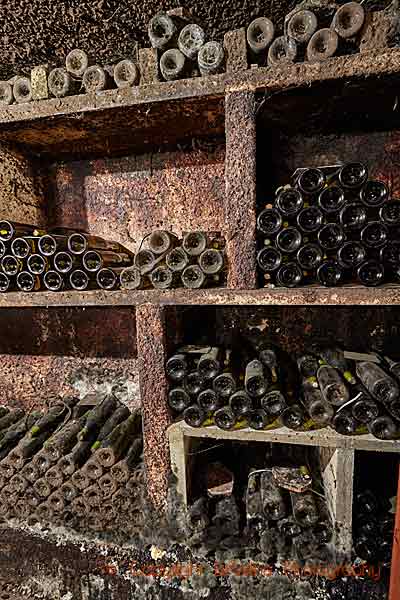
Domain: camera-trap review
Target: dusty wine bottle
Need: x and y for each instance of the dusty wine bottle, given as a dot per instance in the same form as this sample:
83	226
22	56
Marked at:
194	416
162	31
162	278
348	20
310	180
335	357
293	417
308	365
304	508
259	419
211	58
289	240
176	367
274	402
53	281
6	93
10	265
256	380
224	385
93	261
161	241
318	408
353	216
107	279
194	243
269	259
344	422
194	383
302	26
61	83
37	264
241	403
384	428
332	385
323	45
211	261
22	90
209	401
4	282
309	257
76	62
289	202
96	79
374	193
273	503
353	175
269	221
209	365
371	273
374	234
380	385
351	255
26	282
365	409
389	213
79	243
172	64
21	247
10	229
191	39
145	261
310	219
331	236
177	259
260	34
330	273
393	365
126	73
226	419
289	275
130	278
282	50
331	199
193	277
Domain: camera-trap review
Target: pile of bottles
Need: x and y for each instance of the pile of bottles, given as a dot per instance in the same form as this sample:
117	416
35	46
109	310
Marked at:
331	225
33	258
183	48
78	464
195	261
288	522
373	527
258	385
307	35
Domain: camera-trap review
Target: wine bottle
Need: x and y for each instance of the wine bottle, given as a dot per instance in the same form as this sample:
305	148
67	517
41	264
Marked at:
318	408
172	64
211	261
389	213
79	280
331	199
334	356
179	399
293	417
308	366
211	58
289	275
323	45
107	279
374	234
79	243
224	384
371	273
344	422
374	193
11	229
269	221
226	419
209	366
161	241
21	247
364	409
53	281
22	90
131	278
49	244
177	259
93	261
310	180
208	400
260	34
162	278
193	277
269	259
162	30
126	73
384	428
351	254
304	508
64	262
3	249
353	216
393	366
145	261
274	402
96	79
332	385
289	202
194	243
348	20
177	367
4	283
353	175
37	264
191	39
256	379
26	282
302	26
77	62
194	416
289	240
330	273
273	503
310	219
331	236
380	385
6	93
194	383
10	265
310	257
60	83
282	50
241	403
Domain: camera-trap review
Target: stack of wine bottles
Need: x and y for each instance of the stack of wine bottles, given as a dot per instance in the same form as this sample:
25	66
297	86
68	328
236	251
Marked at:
195	261
291	522
307	35
373	527
78	465
331	225
32	258
258	386
183	48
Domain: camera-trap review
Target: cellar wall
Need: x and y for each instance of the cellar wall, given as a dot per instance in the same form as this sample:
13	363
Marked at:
126	198
57	352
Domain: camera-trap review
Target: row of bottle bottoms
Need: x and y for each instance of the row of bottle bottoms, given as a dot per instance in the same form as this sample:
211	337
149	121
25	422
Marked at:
330	225
77	462
215	386
32	258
